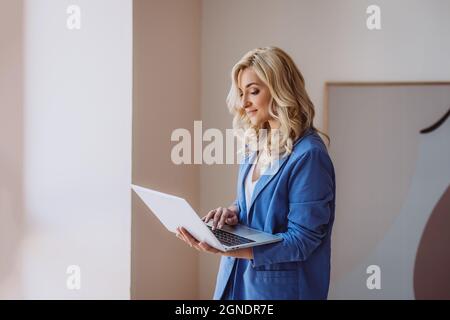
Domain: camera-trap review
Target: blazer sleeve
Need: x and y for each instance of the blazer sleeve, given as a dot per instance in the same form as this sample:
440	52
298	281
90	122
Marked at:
236	203
311	190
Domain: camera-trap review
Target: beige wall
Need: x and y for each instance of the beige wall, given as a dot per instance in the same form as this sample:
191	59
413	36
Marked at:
166	96
11	145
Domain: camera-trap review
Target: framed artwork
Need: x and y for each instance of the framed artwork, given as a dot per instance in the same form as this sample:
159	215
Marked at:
390	144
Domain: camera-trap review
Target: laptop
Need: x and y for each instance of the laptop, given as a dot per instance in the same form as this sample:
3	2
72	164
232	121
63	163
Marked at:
175	212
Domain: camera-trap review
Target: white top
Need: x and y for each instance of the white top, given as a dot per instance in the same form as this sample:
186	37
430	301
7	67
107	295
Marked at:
249	186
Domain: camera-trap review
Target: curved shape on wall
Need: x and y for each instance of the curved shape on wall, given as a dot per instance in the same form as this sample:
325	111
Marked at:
436	125
431	270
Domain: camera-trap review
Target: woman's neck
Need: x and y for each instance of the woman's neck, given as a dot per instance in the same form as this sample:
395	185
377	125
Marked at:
274	124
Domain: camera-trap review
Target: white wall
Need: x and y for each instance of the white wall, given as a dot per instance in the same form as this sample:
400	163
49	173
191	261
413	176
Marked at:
77	150
330	42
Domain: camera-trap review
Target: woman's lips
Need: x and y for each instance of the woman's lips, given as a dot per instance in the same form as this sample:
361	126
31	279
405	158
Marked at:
251	112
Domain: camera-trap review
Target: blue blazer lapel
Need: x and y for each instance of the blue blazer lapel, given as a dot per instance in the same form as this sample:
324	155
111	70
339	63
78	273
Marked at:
266	176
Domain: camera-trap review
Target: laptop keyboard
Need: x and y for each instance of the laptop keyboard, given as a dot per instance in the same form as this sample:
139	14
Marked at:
229	239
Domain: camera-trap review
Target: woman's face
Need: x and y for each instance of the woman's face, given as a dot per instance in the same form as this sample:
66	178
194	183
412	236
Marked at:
255	97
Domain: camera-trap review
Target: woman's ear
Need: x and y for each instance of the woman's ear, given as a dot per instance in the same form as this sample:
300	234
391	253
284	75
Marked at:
274	107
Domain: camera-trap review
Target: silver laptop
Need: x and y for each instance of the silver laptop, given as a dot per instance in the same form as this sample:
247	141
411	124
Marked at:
176	212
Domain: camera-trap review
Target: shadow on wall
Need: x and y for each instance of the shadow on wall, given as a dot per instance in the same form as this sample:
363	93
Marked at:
11	146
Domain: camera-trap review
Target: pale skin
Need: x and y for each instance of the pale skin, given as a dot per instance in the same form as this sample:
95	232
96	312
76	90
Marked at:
255	99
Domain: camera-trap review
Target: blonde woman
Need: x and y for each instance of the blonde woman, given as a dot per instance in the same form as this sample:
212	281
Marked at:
296	200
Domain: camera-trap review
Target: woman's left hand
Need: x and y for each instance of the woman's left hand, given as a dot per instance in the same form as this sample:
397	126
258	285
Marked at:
183	234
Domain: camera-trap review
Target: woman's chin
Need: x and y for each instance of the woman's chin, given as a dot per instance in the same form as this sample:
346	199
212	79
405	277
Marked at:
255	121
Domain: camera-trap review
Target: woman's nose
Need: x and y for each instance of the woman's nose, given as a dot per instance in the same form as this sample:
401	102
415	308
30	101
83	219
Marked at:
245	102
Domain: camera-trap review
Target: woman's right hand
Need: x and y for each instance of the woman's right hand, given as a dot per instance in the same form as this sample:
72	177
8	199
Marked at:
221	216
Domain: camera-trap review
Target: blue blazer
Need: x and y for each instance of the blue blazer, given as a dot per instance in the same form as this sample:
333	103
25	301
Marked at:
294	198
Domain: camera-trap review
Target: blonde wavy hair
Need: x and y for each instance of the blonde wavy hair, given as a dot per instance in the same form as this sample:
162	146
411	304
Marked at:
290	103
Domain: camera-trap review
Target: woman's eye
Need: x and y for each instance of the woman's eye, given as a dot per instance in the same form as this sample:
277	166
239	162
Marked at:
254	92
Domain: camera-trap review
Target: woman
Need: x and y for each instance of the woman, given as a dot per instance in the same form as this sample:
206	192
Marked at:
296	200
